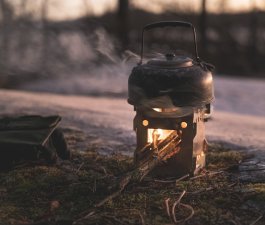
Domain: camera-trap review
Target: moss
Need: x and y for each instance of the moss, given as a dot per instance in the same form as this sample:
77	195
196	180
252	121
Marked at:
258	197
28	192
219	158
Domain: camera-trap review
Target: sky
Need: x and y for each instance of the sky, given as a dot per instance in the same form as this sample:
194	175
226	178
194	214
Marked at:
72	9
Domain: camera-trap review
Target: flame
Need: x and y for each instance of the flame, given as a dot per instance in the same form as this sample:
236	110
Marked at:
157	109
167	110
158	134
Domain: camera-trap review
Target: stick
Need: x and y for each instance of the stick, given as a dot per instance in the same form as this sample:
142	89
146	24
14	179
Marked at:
139	213
182	178
79	168
206	174
172	213
174	206
257	220
172	181
191	214
167	206
165	150
164	181
201	190
124	182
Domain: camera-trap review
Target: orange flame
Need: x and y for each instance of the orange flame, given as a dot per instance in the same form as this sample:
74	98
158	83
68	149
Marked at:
158	134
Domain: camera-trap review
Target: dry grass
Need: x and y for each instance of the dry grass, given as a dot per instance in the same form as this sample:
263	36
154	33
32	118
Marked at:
65	192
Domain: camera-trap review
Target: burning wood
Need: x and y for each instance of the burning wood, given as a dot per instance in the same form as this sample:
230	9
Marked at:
166	149
160	149
153	156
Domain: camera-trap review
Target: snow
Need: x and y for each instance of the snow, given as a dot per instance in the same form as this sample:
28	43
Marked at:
238	116
240	95
107	122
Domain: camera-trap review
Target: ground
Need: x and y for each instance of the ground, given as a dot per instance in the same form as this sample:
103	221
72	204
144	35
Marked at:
104	125
238	118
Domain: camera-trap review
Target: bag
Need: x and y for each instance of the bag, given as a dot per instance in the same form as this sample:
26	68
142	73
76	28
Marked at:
31	138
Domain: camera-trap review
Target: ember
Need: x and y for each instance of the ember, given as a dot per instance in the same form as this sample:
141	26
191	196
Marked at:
171	97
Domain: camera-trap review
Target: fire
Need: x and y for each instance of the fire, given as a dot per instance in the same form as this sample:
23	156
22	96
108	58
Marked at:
155	135
157	109
166	110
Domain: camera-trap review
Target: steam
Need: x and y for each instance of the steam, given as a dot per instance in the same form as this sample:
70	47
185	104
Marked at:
105	46
90	66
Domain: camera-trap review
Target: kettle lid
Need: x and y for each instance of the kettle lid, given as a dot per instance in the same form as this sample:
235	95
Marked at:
171	61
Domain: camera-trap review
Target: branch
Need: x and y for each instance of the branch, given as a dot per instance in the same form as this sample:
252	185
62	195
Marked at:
165	150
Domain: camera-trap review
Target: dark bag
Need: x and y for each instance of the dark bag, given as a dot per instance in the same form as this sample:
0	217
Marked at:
31	138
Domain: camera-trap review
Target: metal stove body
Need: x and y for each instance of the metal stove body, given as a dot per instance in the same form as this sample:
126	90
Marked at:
172	93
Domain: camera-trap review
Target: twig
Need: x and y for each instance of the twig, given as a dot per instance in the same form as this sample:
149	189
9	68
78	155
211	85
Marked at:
201	190
79	168
257	220
167	206
164	181
206	174
172	181
172	213
113	215
84	217
124	182
113	195
182	178
139	213
232	185
191	214
174	206
166	149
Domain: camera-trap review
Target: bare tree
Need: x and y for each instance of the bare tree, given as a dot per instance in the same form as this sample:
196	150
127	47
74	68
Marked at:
123	21
203	24
45	36
22	38
253	37
7	17
88	8
222	6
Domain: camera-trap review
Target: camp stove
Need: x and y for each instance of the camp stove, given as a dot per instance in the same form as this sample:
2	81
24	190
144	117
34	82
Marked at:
171	96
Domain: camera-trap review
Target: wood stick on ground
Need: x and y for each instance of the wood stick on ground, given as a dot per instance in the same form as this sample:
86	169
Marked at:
191	213
206	174
166	149
257	220
172	213
182	178
164	181
145	168
174	206
167	206
124	182
178	203
172	181
79	168
137	212
201	190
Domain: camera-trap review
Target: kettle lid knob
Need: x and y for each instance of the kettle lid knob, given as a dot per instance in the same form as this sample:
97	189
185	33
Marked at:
170	56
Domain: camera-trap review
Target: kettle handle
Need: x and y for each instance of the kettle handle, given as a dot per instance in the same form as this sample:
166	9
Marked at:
169	24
